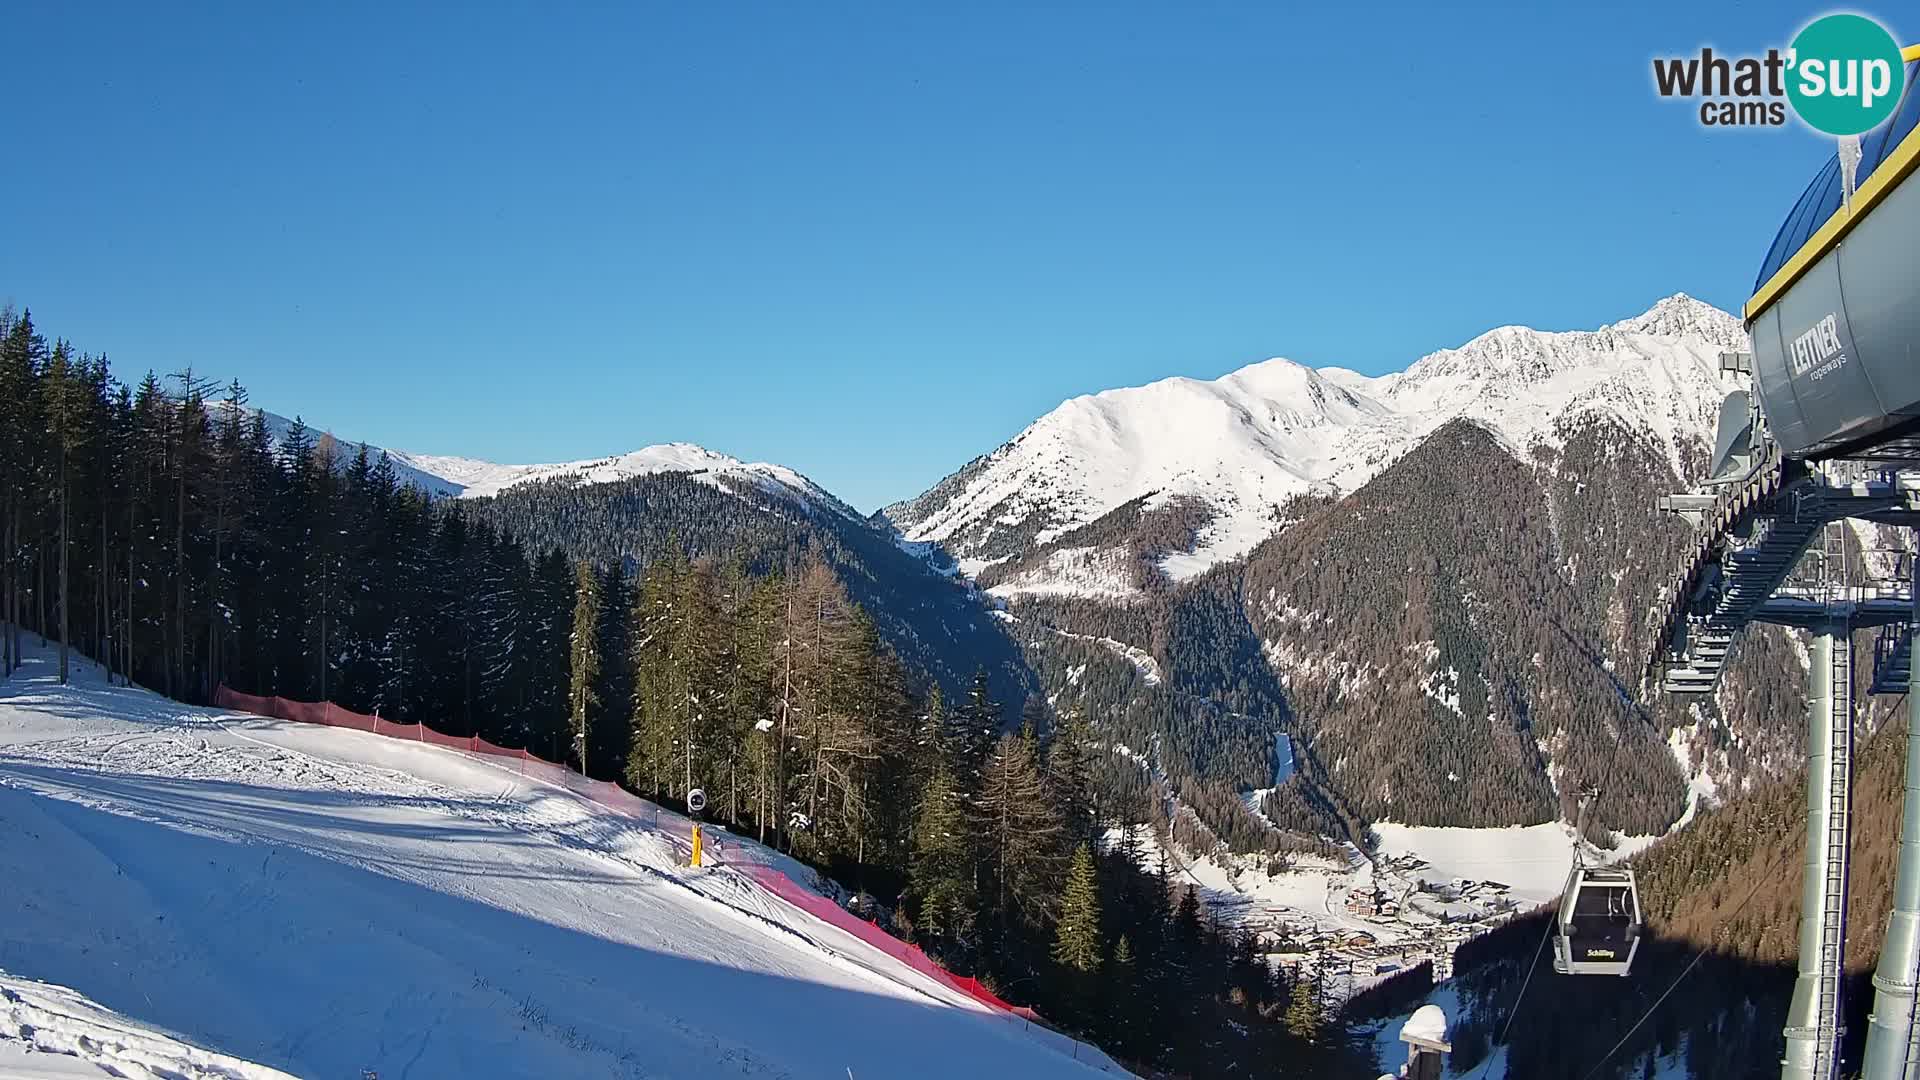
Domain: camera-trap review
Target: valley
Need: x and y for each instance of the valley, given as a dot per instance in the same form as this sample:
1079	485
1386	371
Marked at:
1324	680
1174	526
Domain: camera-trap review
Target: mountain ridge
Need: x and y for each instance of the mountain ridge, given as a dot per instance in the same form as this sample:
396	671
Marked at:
1246	442
454	476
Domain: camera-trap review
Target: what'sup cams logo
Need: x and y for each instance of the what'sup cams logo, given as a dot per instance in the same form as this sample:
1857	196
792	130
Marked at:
1842	75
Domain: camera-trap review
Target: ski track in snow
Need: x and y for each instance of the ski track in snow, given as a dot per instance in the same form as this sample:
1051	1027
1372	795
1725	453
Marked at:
50	1031
324	901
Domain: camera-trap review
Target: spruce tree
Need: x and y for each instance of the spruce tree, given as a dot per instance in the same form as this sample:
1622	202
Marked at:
609	726
1072	757
941	881
1122	984
553	594
1304	1019
64	411
1076	942
585	647
971	729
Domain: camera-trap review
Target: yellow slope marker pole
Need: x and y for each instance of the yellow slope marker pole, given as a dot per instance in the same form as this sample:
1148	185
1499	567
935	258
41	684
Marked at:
696	843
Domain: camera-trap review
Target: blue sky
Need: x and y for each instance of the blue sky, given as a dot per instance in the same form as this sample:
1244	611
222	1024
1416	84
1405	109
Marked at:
868	241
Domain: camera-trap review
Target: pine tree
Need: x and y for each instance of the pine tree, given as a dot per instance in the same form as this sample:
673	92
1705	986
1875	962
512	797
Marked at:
1186	918
548	611
1077	935
1021	833
971	729
659	677
21	350
941	875
1071	761
609	726
1122	984
585	647
64	411
1304	1019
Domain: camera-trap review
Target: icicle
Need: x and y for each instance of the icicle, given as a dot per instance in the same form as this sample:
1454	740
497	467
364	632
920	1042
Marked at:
1849	166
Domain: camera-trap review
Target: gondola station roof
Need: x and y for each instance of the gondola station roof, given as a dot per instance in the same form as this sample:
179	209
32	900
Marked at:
1821	199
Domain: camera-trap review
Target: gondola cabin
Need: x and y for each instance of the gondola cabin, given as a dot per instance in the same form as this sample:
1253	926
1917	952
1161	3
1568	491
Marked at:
1597	929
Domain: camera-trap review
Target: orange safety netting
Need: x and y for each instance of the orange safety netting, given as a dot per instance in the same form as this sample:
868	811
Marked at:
618	799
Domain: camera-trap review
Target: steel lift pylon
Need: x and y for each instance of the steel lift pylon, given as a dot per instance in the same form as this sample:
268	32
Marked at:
1765	518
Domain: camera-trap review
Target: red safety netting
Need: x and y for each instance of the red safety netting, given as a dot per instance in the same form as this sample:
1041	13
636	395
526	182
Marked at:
618	799
824	909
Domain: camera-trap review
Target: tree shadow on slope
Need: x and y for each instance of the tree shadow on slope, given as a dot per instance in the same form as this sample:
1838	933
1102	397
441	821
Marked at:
355	826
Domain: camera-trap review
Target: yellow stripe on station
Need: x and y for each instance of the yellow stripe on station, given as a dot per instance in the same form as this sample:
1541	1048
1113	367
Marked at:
1893	169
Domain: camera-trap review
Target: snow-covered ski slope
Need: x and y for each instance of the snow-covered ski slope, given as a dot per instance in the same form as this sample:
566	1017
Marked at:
328	902
51	1031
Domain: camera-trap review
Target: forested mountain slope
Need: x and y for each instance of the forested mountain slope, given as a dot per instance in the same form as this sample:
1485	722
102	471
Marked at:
936	623
1456	643
634	508
1438	583
1460	638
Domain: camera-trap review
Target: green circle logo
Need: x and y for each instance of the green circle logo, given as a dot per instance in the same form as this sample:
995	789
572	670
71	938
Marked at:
1845	74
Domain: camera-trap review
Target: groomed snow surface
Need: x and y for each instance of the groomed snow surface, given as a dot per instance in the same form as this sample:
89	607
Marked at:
188	891
51	1031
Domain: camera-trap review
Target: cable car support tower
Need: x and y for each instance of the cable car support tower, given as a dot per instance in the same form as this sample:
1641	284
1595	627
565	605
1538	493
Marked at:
1826	430
1750	564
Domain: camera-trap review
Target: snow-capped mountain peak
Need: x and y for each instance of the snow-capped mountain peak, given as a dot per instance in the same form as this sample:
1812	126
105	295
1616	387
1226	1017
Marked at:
1681	315
478	479
444	475
1243	443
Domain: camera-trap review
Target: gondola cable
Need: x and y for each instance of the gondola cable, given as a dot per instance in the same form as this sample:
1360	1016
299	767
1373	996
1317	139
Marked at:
1701	954
1644	1017
1698	956
1517	999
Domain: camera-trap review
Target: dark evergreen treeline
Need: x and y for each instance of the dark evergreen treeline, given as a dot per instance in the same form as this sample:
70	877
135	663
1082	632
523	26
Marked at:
935	624
162	530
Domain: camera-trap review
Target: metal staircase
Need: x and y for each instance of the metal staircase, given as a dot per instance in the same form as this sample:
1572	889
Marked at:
1736	573
1913	1039
1893	648
1893	659
1748	578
